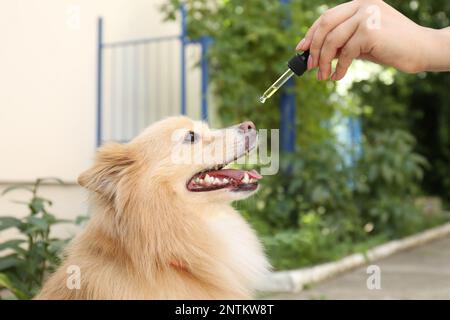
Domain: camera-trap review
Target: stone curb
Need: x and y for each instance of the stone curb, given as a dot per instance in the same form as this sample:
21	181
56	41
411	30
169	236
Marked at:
294	280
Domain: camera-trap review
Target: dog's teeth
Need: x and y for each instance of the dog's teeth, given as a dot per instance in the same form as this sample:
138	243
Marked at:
209	179
216	181
246	178
252	180
197	180
225	181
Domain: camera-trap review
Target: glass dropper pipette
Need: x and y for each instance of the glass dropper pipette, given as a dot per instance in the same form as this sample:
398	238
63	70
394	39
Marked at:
297	65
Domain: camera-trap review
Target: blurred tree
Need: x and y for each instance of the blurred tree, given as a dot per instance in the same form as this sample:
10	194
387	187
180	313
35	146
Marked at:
252	44
419	103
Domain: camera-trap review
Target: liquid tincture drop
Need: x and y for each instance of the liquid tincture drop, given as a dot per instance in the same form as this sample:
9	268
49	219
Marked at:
277	85
297	65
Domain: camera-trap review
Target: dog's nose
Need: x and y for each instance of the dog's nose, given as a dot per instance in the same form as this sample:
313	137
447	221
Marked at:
246	126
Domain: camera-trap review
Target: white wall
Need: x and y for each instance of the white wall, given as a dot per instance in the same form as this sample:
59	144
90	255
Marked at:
48	86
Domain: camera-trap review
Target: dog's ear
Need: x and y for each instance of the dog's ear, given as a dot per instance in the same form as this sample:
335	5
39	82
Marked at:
111	163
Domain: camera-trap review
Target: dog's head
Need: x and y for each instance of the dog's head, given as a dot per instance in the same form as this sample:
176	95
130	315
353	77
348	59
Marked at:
178	157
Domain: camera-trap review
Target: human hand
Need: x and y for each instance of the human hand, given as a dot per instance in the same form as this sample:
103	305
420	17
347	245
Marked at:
367	29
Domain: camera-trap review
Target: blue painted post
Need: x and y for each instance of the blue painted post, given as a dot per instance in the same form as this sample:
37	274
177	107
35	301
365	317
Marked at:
354	126
183	39
204	42
99	79
287	125
287	112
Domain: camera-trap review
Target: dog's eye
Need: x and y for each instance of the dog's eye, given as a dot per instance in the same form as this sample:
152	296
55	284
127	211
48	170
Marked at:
191	137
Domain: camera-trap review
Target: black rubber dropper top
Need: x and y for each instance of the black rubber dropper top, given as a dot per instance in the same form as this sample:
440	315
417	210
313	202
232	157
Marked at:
299	63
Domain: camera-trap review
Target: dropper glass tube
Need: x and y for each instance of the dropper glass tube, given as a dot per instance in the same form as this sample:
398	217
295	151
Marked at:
296	65
276	85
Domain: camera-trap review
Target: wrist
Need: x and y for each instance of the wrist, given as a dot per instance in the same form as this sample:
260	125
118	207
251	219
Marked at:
436	50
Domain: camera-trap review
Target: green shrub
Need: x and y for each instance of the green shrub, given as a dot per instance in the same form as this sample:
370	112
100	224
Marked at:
28	258
389	176
318	208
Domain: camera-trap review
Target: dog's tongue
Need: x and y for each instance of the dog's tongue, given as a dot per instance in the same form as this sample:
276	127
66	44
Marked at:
235	174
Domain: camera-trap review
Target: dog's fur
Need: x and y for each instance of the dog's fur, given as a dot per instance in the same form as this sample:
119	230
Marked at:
149	237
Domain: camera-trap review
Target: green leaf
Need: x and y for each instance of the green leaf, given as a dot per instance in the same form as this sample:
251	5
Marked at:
39	223
387	173
80	219
11	244
38	204
56	221
20	202
5	282
51	219
9	261
57	245
9	222
48	179
17	187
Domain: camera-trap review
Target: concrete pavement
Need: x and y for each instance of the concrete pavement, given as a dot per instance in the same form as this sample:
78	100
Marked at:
420	273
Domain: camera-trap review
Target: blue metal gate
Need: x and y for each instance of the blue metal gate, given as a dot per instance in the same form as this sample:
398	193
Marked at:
131	92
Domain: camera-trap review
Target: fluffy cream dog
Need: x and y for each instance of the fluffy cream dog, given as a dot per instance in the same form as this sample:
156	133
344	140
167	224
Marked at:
163	226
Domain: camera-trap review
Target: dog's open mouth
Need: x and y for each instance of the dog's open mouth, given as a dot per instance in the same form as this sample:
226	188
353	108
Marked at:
220	178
